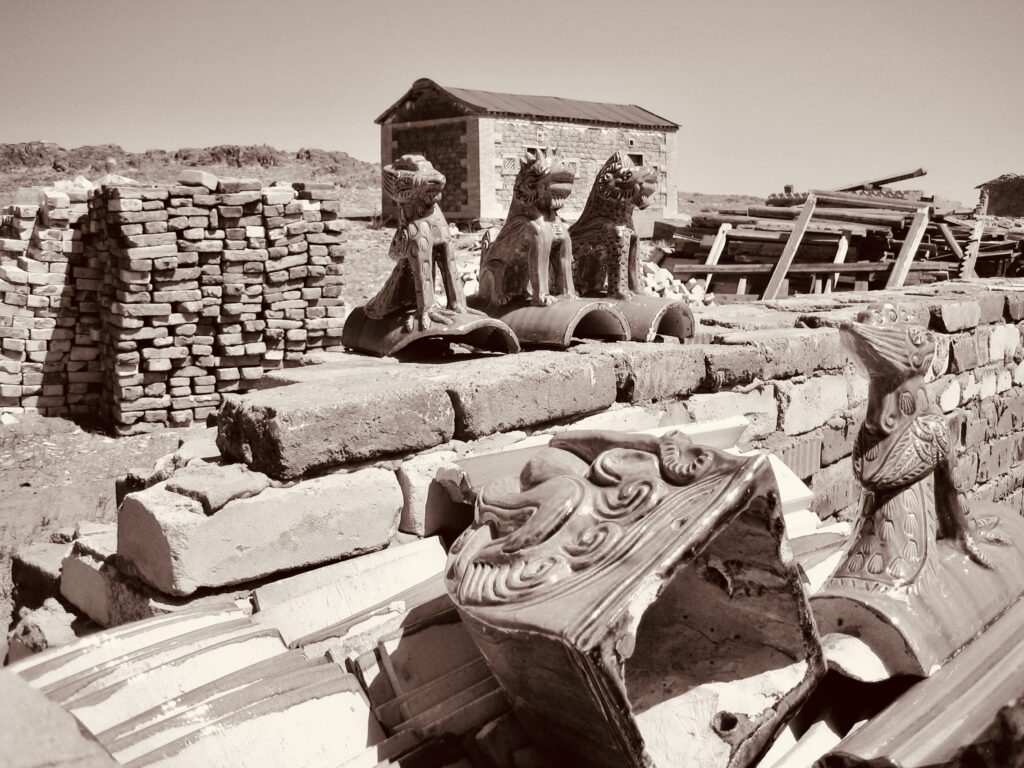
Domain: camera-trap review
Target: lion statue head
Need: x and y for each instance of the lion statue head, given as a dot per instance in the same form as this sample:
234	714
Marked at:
544	180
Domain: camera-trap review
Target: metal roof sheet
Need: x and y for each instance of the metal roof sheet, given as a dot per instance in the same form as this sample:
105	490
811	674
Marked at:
489	102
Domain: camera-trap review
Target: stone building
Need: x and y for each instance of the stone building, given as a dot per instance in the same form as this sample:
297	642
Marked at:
1005	195
477	137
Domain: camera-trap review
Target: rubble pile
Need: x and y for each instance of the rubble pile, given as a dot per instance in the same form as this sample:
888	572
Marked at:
860	237
288	565
145	304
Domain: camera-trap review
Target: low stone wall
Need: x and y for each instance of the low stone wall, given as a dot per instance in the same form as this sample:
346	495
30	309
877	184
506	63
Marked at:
145	304
329	461
779	363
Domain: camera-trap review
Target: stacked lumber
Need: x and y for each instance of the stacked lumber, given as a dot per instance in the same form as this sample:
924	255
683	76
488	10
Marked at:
858	237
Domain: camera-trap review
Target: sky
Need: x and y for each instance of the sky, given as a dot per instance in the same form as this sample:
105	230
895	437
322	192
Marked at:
815	93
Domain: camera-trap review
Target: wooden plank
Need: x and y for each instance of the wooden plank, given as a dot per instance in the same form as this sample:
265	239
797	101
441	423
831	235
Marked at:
890	179
905	258
789	252
841	250
771	236
973	246
853	200
857	267
954	246
856	215
716	251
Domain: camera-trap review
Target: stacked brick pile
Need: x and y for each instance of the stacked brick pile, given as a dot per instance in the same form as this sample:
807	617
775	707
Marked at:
153	301
48	304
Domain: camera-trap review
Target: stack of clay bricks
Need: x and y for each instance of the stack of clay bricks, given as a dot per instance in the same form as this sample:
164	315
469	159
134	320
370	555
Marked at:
213	281
302	295
48	304
152	301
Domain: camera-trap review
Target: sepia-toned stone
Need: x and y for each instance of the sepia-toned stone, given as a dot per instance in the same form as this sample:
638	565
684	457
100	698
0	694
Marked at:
650	583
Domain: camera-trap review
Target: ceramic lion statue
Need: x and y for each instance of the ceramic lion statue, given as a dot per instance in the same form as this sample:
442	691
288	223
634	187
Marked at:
532	255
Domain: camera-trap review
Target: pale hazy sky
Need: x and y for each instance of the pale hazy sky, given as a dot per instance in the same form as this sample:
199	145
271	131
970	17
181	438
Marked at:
814	93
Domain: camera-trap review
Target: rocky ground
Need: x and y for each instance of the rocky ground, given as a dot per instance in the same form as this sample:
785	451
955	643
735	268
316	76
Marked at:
40	163
55	475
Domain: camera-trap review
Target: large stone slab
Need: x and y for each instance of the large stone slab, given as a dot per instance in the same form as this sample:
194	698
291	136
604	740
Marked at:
651	372
499	394
167	541
288	431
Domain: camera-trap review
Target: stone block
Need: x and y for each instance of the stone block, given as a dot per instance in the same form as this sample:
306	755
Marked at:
963	353
805	405
35	572
838	434
991	305
427	507
214	486
834	488
758	404
787	352
514	391
171	544
949	394
801	453
195	178
46	627
1003	343
731	365
288	431
622	418
92	584
312	601
651	372
952	315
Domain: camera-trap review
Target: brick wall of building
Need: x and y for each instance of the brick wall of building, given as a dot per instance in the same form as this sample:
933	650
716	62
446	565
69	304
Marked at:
445	144
589	146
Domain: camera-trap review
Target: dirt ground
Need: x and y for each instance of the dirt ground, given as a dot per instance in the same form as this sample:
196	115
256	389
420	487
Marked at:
53	474
367	264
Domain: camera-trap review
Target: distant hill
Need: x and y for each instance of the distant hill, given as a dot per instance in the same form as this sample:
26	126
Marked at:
37	163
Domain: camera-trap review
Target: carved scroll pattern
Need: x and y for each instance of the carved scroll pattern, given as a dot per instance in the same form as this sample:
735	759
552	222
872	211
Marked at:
572	528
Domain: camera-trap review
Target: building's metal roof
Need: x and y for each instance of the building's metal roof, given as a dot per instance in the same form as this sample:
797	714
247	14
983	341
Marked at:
548	107
1005	178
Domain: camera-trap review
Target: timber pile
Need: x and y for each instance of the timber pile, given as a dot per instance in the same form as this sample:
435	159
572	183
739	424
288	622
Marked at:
858	237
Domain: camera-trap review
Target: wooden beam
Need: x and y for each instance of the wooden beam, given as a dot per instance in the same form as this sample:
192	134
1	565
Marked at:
853	200
849	268
843	247
716	251
881	216
915	235
891	179
789	252
954	246
969	267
